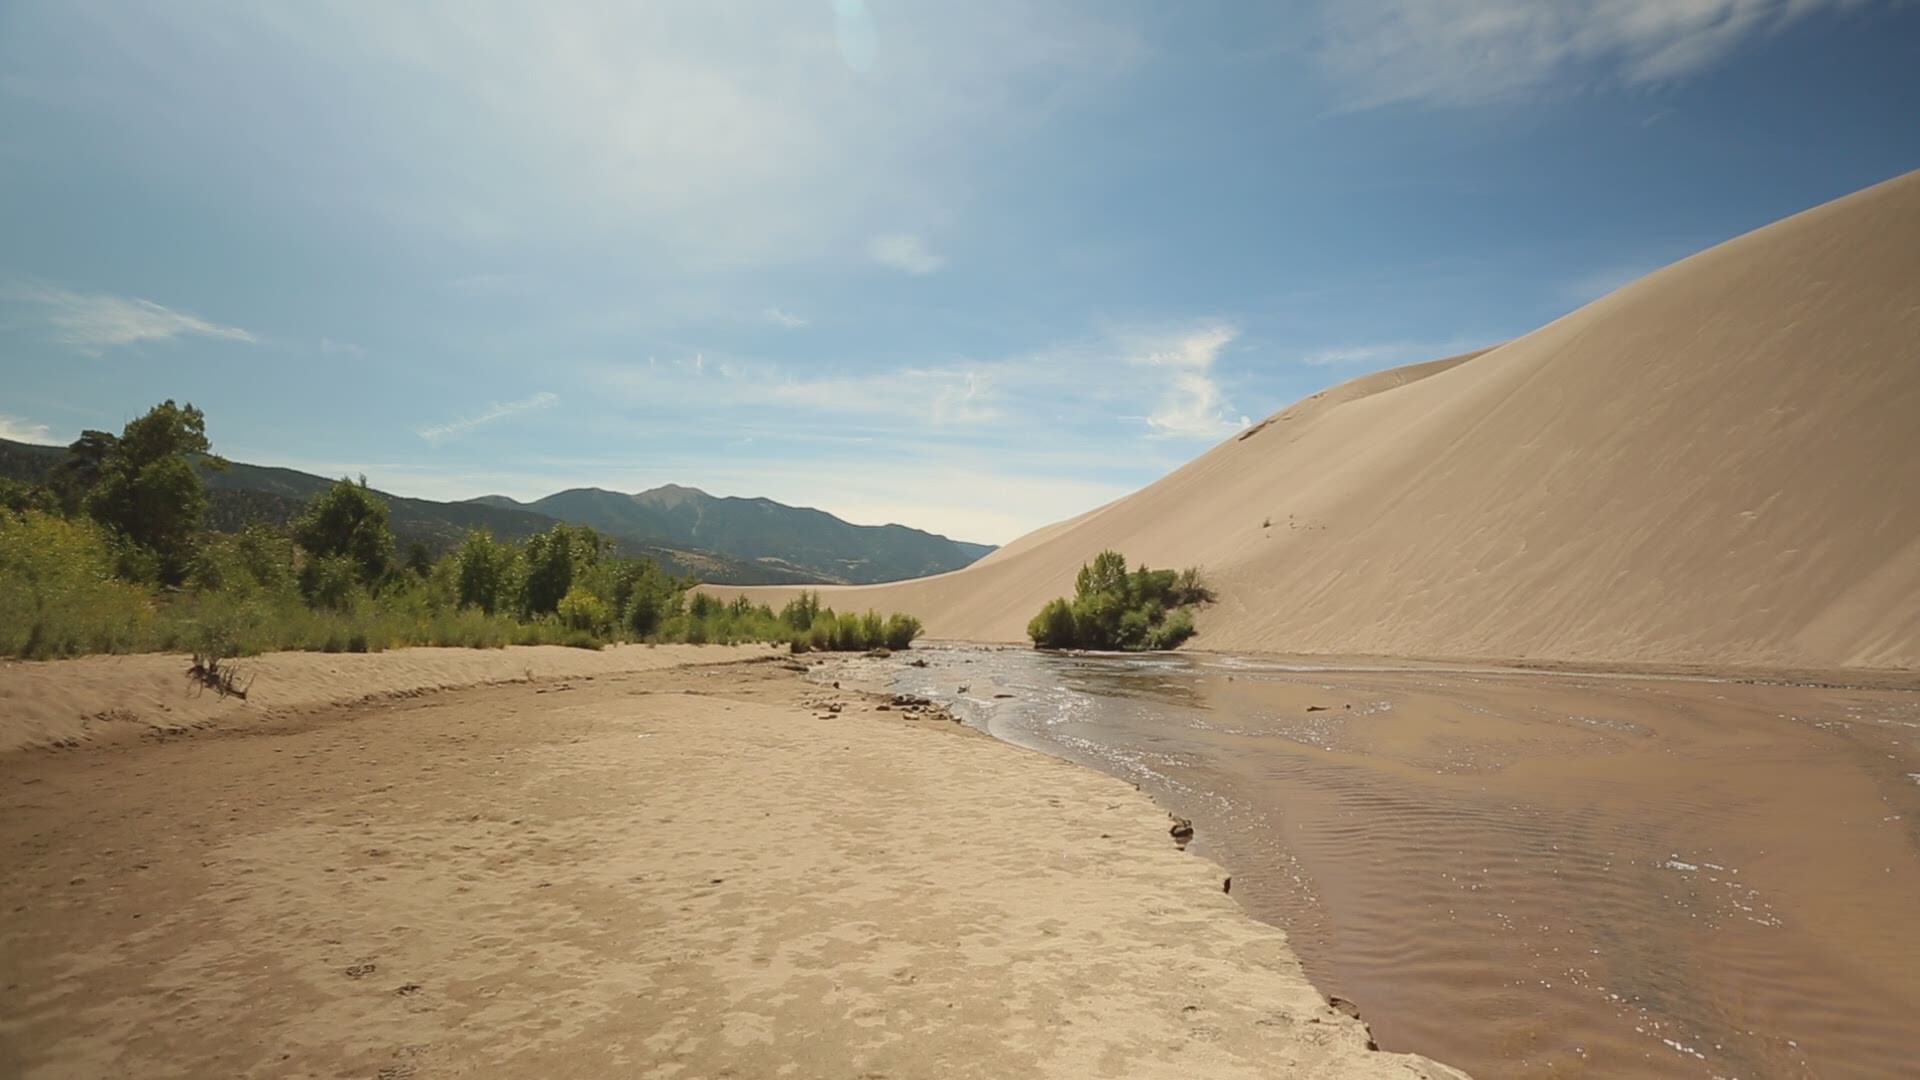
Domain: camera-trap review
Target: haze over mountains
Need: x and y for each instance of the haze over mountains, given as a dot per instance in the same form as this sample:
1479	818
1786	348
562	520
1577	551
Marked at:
1718	464
688	532
806	542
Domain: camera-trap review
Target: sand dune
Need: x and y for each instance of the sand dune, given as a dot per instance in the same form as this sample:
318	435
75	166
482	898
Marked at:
1717	464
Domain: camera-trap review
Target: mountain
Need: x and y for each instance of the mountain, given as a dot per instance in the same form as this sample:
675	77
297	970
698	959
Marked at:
243	493
1716	465
795	539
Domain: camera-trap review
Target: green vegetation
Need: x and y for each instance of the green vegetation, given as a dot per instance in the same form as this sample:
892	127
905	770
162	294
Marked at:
1114	609
110	554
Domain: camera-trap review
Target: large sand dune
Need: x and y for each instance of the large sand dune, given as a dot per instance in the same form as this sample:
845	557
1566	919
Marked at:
1718	464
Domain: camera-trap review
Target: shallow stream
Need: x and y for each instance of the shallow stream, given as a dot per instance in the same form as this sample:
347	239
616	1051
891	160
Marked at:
1527	874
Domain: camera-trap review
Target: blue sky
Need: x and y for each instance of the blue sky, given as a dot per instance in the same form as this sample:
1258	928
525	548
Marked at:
970	267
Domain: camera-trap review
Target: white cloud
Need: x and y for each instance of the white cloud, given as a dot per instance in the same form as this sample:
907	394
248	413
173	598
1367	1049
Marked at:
692	129
1381	355
784	318
331	347
19	429
1192	405
453	428
1355	354
949	398
904	251
93	322
1471	52
1166	380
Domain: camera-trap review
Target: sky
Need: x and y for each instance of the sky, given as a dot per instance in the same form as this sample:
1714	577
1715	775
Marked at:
972	268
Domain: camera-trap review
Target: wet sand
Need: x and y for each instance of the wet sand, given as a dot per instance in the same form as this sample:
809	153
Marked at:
1535	874
713	871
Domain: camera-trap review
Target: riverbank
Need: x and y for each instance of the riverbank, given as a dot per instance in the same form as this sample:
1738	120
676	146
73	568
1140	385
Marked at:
685	871
1524	873
104	699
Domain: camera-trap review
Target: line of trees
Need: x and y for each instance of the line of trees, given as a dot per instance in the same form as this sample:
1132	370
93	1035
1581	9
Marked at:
1114	609
110	556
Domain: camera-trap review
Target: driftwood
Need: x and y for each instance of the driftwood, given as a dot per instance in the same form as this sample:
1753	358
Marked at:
210	672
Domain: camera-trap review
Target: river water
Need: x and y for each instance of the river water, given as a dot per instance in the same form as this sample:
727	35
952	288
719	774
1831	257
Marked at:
1523	874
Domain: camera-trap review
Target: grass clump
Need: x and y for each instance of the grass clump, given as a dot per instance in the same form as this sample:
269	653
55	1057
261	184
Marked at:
1112	609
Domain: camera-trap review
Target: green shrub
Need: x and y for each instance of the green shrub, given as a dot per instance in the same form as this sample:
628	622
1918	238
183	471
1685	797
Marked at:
59	594
900	631
1053	628
1114	609
330	582
580	610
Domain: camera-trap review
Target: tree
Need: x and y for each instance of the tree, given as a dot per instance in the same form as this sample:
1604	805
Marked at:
73	478
20	498
419	559
485	572
144	484
801	610
555	559
1107	573
348	521
1053	628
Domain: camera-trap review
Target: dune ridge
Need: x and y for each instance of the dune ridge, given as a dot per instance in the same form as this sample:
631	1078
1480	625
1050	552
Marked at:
1713	465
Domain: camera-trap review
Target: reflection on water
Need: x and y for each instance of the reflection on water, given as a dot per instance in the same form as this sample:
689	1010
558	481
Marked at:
1528	874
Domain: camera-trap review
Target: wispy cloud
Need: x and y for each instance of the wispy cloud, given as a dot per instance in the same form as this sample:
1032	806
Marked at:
94	322
1355	354
784	318
1165	379
331	347
947	398
1386	354
500	411
20	429
1472	52
1192	405
904	251
551	123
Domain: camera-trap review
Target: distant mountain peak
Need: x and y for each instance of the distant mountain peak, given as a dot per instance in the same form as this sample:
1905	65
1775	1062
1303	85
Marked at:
762	529
668	496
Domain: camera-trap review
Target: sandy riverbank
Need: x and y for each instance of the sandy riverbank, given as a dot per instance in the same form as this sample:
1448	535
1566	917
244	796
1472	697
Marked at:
681	872
107	699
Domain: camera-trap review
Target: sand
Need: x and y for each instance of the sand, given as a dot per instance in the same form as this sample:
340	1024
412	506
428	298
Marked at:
688	872
1715	465
103	699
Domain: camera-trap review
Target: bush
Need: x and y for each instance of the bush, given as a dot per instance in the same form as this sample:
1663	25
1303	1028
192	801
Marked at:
1053	628
580	610
900	631
1114	609
330	582
59	595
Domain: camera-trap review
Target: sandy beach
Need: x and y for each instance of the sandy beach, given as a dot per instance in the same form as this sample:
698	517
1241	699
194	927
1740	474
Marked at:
713	870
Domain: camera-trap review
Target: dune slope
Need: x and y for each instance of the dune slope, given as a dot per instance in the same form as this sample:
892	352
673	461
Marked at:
1717	464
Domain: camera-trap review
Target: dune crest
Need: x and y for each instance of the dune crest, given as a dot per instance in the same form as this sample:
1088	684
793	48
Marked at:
1714	465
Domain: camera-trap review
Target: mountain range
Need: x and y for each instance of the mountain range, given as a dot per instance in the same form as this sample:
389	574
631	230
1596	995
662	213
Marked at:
782	538
688	532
